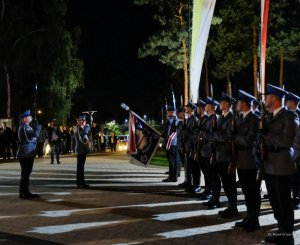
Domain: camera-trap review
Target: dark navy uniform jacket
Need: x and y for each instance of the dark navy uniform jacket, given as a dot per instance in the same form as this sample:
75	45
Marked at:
81	139
246	133
190	132
27	140
171	127
222	138
279	138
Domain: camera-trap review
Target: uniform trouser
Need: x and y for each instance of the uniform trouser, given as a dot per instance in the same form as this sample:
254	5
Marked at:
251	189
279	190
80	169
296	183
196	172
54	147
204	166
173	158
26	169
40	149
183	163
102	147
6	150
191	172
214	176
229	184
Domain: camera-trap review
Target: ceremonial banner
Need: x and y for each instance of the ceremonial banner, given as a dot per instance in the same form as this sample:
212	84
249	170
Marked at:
264	27
202	17
143	139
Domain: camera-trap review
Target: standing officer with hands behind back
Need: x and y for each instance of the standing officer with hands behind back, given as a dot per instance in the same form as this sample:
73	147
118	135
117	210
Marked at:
28	139
81	148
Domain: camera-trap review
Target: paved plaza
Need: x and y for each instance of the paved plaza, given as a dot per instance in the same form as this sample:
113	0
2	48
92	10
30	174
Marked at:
126	204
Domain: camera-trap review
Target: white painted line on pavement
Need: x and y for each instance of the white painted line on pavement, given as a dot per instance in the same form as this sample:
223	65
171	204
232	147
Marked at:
39	193
55	200
64	213
189	214
57	229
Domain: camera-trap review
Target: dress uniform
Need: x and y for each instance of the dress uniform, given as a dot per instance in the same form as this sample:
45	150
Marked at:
170	135
245	134
210	176
222	138
199	165
279	168
189	135
290	97
26	152
81	148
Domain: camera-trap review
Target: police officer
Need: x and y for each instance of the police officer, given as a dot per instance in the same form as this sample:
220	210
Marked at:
170	135
200	165
212	180
292	102
279	168
245	134
81	148
189	136
26	152
222	138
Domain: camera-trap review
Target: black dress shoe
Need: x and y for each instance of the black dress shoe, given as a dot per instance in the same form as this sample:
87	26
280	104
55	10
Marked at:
213	204
58	162
251	226
229	213
31	195
286	239
241	223
183	184
166	180
272	238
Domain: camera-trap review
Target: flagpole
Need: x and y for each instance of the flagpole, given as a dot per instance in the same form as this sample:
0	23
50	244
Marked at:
264	27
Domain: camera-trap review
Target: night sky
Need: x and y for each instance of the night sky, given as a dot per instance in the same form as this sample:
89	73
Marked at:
112	32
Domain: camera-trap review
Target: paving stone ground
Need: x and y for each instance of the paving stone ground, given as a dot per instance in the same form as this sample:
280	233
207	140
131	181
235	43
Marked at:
126	204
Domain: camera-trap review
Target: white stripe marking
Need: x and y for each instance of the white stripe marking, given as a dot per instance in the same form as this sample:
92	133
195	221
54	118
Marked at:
57	229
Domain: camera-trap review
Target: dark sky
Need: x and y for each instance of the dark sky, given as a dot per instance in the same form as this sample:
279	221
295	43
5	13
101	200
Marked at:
112	32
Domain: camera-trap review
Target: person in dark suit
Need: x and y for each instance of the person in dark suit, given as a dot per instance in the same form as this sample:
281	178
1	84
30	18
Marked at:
222	138
112	141
6	138
211	178
81	149
189	135
292	103
26	152
54	138
279	167
170	137
246	132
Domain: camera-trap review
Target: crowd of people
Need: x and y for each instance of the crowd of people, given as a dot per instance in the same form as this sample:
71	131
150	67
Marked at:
256	141
54	140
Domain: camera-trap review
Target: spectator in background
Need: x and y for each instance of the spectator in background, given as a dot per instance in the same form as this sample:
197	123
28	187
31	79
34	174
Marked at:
112	141
54	137
6	135
95	139
14	142
40	143
102	141
67	134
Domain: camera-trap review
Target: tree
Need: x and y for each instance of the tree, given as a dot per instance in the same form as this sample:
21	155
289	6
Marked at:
230	44
170	43
38	47
283	34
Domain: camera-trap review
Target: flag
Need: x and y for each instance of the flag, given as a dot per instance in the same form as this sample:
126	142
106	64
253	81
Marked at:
143	140
264	27
202	17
